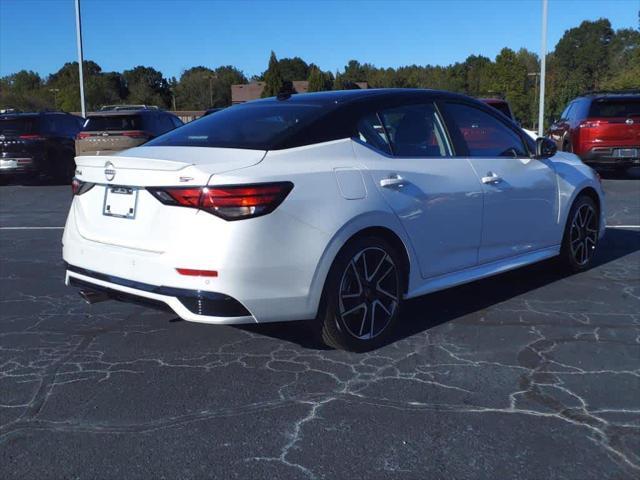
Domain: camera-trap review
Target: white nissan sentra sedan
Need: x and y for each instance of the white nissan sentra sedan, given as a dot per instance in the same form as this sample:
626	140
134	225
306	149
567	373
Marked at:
334	206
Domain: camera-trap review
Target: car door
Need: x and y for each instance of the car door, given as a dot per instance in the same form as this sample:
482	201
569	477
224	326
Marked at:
436	196
520	193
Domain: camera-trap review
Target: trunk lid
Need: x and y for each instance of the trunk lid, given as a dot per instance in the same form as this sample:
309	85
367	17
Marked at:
151	226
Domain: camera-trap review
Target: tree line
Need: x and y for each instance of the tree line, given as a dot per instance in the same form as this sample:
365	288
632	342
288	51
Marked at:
589	57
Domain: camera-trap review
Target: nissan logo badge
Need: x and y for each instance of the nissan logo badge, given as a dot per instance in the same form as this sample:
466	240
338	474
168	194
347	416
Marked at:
629	121
109	171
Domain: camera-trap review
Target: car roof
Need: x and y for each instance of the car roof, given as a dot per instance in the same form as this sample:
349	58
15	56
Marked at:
346	96
613	94
118	113
32	114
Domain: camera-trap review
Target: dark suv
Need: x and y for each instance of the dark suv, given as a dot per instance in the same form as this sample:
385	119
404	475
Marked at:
40	144
603	129
120	127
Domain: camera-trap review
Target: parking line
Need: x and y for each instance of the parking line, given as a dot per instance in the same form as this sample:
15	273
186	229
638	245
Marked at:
31	228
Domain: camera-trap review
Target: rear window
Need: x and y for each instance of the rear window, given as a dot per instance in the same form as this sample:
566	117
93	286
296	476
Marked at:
18	126
258	126
113	122
615	107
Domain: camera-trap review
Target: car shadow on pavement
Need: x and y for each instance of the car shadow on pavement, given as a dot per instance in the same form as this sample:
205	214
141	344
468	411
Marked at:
426	312
632	173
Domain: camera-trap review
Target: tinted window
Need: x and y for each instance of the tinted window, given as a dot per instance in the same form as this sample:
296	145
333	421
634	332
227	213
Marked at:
18	126
484	134
164	123
415	131
502	107
176	121
615	107
260	126
565	115
113	122
371	132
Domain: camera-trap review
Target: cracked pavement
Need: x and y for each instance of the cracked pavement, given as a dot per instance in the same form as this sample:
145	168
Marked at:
532	374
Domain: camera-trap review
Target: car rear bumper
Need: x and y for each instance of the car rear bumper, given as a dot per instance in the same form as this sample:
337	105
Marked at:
614	156
269	280
193	305
18	164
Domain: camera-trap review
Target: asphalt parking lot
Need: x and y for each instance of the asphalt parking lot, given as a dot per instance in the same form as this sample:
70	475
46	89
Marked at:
529	375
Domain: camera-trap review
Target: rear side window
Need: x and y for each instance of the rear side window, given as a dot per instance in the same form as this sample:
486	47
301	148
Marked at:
372	133
502	107
18	126
484	134
258	126
113	122
415	131
615	107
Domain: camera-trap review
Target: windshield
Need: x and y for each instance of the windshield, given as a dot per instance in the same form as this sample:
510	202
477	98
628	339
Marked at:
615	107
257	126
18	126
113	122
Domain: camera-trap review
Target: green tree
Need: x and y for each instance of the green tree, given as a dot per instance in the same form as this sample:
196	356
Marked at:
319	81
100	88
200	87
293	69
146	85
25	90
509	74
273	78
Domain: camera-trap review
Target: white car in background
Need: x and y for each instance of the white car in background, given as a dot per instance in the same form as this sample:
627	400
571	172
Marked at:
333	206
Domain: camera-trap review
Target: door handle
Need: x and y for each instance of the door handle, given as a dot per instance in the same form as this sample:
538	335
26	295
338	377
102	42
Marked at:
491	178
392	181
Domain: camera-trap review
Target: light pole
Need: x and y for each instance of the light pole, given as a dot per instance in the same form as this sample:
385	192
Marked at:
543	67
80	57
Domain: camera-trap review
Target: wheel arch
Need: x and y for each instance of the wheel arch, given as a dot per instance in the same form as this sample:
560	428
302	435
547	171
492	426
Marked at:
383	224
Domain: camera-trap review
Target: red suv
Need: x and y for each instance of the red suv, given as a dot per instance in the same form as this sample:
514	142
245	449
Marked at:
603	129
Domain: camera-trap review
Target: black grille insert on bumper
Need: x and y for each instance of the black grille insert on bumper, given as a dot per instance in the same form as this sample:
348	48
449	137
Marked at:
196	301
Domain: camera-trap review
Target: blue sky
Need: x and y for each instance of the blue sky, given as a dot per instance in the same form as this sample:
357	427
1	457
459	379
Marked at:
172	35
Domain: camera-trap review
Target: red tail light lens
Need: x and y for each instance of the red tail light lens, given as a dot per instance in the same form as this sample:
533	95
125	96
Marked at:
79	187
31	136
233	202
591	123
82	135
134	134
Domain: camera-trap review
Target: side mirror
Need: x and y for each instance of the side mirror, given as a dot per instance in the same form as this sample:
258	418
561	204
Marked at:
545	148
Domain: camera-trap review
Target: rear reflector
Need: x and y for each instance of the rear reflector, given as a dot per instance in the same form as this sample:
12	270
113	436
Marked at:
82	135
231	202
134	134
197	273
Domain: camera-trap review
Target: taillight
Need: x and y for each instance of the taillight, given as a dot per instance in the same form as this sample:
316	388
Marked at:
134	134
31	136
232	202
591	123
79	187
82	135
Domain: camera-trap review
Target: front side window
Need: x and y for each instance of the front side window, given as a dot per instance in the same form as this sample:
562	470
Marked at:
415	131
484	134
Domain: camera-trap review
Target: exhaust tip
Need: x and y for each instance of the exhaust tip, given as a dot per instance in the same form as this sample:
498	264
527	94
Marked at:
92	296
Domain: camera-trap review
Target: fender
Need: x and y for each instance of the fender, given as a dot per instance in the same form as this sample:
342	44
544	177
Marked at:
380	218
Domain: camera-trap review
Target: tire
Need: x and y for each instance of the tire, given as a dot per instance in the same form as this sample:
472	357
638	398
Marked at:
65	170
362	296
580	240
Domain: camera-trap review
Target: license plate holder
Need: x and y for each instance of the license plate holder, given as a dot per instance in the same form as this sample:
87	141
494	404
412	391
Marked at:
120	202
